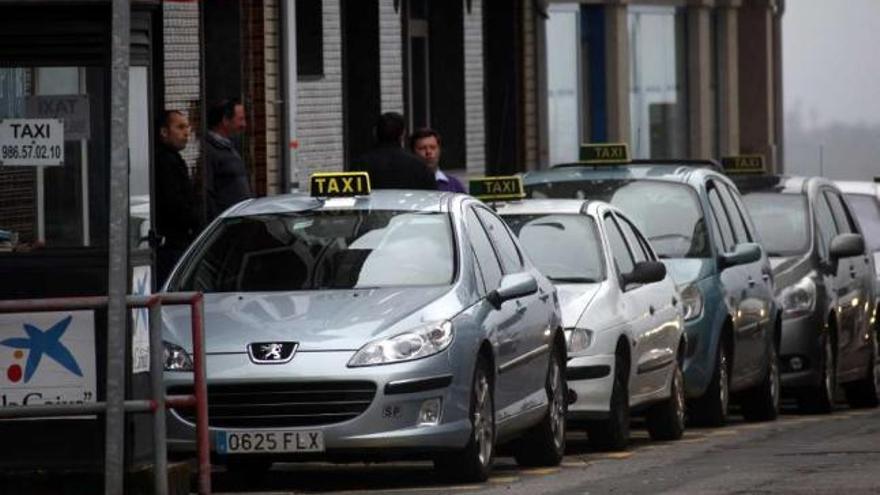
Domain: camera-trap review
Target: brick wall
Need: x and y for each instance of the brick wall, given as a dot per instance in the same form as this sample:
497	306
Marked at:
182	63
254	74
390	57
475	122
530	88
272	64
319	125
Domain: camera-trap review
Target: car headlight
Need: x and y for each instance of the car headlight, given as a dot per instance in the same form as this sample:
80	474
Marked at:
417	343
578	339
176	358
800	298
692	302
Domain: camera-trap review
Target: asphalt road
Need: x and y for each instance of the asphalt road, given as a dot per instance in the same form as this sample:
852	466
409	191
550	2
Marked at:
798	454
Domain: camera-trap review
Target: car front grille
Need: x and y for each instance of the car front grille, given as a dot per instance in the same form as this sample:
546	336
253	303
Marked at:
281	405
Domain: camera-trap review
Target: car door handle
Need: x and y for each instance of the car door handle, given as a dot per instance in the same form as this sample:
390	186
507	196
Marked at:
751	282
651	309
544	297
674	302
766	277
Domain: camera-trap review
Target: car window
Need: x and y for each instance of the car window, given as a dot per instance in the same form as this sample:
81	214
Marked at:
867	211
619	250
483	250
323	250
722	223
782	221
842	217
668	214
508	253
637	250
825	222
736	217
564	247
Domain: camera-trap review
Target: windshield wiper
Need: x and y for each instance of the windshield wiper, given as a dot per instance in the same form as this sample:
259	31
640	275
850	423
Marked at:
573	280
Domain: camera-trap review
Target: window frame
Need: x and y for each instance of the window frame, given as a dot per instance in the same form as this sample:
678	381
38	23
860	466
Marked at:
608	216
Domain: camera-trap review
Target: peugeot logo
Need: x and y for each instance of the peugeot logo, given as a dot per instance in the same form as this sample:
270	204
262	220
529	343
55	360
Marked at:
271	352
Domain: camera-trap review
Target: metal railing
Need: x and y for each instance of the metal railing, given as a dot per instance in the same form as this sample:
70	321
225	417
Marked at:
159	402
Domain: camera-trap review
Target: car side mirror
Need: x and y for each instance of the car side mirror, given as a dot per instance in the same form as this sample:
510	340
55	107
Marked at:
645	272
845	246
512	286
742	254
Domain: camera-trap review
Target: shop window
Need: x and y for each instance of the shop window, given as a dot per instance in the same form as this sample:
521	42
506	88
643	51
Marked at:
309	38
139	158
47	205
658	82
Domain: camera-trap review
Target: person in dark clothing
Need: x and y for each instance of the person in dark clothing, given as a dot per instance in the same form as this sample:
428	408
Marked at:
177	217
426	143
389	165
226	177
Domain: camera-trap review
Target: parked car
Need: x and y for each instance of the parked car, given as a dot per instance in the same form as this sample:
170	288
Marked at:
623	324
694	218
396	324
825	283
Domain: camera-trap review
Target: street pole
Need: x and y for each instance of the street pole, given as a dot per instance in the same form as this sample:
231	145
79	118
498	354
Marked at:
114	441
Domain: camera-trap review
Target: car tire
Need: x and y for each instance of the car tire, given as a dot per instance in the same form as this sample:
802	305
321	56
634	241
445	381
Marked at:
762	402
473	463
544	443
863	393
665	421
820	399
711	409
613	433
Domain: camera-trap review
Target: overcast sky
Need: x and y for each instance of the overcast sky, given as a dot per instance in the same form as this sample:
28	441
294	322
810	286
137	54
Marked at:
831	60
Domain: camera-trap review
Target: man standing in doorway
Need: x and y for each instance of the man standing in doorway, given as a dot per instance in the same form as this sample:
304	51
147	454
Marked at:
389	165
425	142
226	178
177	218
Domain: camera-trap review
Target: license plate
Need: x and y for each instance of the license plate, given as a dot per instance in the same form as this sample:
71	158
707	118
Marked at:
268	441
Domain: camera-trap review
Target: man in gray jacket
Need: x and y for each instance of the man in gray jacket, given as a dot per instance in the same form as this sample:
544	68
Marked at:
226	178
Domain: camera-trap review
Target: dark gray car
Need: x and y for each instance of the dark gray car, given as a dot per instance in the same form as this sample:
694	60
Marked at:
824	280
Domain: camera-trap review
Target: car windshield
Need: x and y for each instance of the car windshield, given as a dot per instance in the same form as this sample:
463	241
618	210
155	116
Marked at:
323	250
565	248
868	215
668	214
782	221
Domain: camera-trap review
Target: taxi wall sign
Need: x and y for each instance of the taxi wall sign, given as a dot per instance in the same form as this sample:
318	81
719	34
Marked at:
47	358
743	164
604	153
339	184
497	188
31	142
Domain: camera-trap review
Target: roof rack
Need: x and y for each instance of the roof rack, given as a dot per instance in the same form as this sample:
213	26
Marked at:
689	162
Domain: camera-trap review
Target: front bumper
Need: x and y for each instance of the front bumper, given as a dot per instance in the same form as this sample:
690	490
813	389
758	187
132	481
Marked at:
591	379
389	422
801	339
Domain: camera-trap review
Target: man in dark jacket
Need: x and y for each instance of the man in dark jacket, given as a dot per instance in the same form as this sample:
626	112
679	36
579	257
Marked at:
177	218
389	165
226	178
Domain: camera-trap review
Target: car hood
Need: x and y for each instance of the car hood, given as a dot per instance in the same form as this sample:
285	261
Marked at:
574	299
317	320
685	271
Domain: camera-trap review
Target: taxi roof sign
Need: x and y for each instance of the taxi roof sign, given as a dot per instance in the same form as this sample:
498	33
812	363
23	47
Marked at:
744	164
339	184
497	188
604	153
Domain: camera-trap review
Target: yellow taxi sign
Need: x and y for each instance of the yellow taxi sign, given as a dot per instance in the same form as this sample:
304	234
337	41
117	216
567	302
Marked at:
604	153
744	164
497	188
339	184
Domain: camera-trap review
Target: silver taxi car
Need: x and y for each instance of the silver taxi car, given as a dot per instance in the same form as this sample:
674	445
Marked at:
621	313
376	325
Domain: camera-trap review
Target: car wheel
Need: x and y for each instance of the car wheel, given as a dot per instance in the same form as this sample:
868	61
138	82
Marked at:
666	420
474	462
762	402
711	409
863	393
544	443
613	433
820	399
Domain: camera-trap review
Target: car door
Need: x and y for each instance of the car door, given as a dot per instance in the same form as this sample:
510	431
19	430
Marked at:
734	285
656	347
633	304
853	276
523	346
